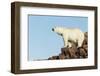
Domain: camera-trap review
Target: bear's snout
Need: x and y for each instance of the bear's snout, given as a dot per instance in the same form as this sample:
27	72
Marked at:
52	29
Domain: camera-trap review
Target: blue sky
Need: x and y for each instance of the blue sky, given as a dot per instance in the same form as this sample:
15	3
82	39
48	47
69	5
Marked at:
43	42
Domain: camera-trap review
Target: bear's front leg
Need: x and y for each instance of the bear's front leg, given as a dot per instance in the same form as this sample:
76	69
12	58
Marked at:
65	42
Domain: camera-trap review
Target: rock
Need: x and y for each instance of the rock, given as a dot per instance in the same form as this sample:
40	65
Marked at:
61	56
85	47
72	53
82	53
53	57
64	51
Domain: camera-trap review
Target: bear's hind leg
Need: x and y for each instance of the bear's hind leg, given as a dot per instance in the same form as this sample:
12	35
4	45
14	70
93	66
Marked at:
80	42
69	44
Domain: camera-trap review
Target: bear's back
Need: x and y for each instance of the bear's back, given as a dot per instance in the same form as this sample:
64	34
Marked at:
73	30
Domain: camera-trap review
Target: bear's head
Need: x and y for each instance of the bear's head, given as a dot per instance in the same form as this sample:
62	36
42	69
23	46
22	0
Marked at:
58	30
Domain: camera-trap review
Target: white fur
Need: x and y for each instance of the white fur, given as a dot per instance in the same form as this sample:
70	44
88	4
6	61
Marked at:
73	34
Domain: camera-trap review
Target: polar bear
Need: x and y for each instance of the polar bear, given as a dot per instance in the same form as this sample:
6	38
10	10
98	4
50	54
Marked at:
70	34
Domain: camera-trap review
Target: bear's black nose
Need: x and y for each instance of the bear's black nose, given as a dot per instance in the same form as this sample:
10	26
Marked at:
52	29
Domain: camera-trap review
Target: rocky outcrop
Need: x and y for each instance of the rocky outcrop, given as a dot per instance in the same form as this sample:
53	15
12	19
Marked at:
73	52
